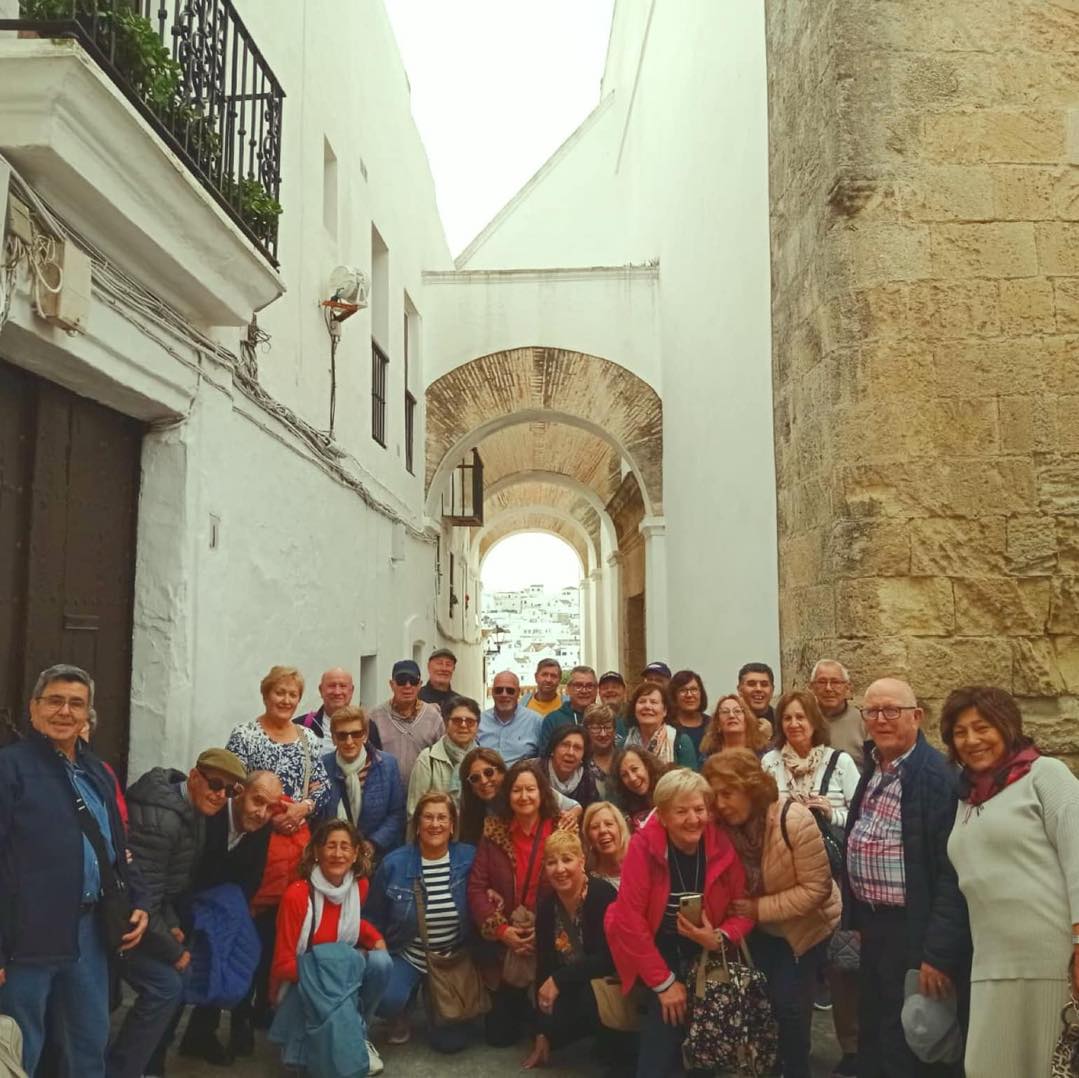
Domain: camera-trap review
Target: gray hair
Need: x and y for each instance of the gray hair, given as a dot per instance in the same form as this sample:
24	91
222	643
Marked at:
63	672
829	662
91	722
258	775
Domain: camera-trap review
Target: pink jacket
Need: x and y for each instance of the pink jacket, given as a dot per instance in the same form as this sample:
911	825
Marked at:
634	918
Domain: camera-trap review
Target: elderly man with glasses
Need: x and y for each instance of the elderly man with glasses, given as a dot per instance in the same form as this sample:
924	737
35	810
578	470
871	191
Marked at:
830	684
406	724
581	690
57	810
510	728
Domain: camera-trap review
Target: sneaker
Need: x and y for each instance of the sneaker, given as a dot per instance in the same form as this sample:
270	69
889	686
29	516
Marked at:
822	1001
398	1030
847	1067
375	1064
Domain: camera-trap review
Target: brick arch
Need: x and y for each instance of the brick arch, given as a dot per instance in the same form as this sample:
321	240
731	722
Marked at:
513	521
537	385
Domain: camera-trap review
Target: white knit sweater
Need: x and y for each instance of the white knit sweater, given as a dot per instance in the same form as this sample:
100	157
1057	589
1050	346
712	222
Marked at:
841	787
1017	856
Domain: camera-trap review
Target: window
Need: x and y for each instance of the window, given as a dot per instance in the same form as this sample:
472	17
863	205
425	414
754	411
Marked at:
379	362
380	328
410	345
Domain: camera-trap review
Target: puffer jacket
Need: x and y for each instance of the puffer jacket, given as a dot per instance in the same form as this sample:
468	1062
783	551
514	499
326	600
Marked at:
166	838
801	901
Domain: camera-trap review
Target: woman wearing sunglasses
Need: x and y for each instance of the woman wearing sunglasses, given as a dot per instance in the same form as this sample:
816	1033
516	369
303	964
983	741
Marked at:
438	768
365	787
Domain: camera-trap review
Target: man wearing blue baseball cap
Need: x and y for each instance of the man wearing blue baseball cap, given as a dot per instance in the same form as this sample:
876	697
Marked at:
405	723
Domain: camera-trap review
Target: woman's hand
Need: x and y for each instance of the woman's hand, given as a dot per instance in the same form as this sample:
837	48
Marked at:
288	822
570	819
933	983
820	803
672	1002
746	907
704	936
520	941
546	995
138	922
495	899
182	962
380	946
540	1054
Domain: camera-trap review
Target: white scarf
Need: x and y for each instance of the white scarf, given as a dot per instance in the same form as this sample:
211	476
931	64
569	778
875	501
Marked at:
570	784
661	743
347	896
353	785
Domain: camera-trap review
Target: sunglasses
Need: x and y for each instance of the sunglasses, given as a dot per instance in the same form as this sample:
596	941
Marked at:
464	720
406	679
485	775
504	690
232	789
349	735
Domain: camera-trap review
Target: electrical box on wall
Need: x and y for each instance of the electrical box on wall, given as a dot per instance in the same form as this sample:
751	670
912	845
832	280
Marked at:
70	306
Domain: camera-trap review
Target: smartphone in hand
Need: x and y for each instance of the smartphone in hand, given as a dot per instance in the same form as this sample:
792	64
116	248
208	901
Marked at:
690	908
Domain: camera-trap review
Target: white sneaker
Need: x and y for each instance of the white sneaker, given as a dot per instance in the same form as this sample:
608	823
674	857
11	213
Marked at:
375	1064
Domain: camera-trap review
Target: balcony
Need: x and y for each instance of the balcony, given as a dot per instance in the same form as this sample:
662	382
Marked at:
154	126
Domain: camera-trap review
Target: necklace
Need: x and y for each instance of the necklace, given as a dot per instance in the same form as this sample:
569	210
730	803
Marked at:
698	865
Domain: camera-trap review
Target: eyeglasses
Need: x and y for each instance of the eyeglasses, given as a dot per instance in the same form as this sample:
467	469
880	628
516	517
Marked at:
406	679
485	775
729	712
689	690
603	727
581	686
232	789
464	720
872	714
830	682
350	735
75	705
504	690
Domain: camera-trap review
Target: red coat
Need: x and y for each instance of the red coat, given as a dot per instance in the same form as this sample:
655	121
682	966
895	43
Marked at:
634	918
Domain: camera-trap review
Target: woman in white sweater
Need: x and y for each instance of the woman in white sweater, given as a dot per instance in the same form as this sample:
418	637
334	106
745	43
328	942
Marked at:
1015	847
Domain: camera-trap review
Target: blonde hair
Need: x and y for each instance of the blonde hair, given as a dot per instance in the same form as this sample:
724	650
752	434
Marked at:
590	814
278	674
563	842
350	714
678	783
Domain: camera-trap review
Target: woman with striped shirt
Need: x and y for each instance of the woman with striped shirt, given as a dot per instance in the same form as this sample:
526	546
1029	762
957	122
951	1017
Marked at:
438	868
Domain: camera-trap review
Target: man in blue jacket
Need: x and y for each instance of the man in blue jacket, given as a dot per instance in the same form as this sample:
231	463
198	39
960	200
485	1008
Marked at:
52	945
903	894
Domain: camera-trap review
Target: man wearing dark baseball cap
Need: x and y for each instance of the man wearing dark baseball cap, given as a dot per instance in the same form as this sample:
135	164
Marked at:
406	724
440	668
612	691
658	674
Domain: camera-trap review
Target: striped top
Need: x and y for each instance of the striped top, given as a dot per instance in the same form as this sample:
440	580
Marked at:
443	924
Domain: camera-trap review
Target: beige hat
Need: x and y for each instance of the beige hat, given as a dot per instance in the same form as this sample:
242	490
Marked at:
228	763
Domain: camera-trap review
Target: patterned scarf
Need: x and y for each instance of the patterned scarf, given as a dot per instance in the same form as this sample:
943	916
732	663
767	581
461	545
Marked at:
801	769
978	788
455	754
660	744
355	773
748	842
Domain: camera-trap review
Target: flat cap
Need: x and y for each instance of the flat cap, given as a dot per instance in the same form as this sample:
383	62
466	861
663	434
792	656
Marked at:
228	763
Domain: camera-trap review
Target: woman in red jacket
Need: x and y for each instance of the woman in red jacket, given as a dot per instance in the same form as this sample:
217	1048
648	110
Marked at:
506	878
680	852
325	906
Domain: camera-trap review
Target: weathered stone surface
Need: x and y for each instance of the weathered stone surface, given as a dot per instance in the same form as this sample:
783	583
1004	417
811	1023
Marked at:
910	606
947	546
1035	671
954	309
1001	606
1031	546
938	666
1064	615
856	549
1067	537
1067	655
1027	307
994	249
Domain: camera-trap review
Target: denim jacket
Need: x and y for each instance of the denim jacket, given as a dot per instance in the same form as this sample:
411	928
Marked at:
391	902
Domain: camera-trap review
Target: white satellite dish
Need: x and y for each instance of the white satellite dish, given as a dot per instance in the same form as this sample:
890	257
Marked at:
349	285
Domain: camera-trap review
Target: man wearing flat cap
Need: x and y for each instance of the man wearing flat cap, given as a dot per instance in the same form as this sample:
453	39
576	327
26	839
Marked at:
168	812
440	668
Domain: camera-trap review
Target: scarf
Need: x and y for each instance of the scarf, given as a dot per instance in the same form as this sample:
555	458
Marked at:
748	842
355	773
570	784
801	769
456	754
347	896
976	789
660	744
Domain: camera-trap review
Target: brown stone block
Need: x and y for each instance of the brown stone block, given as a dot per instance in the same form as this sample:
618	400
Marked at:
1066	300
802	558
1057	480
1035	671
1062	363
1023	192
903	605
991	368
1050	27
1027	306
956	137
1031	546
1064	613
1026	79
965	427
1068	423
953	193
939	666
1030	135
867	659
954	309
947	546
1053	722
1016	418
812	610
1066	191
1001	606
882	253
1067	655
1057	248
879	311
860	548
1067	542
997	250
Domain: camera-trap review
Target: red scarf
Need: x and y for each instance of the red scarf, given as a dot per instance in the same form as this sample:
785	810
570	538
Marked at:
977	789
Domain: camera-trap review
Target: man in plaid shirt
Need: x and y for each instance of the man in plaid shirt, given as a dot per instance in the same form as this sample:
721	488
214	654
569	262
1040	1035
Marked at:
902	890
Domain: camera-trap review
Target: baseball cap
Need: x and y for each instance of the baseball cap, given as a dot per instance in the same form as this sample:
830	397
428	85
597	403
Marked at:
443	653
931	1026
228	763
612	675
405	668
656	668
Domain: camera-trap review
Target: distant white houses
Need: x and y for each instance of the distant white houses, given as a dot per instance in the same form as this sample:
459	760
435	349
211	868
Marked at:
522	627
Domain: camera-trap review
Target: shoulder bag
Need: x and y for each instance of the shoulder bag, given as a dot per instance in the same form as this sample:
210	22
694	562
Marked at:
455	990
731	1023
114	906
519	971
1065	1061
834	837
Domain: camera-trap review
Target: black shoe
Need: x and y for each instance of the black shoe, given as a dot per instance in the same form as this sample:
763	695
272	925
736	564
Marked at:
847	1067
207	1048
241	1039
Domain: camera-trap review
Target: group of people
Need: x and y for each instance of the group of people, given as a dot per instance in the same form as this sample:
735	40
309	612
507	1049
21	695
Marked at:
576	855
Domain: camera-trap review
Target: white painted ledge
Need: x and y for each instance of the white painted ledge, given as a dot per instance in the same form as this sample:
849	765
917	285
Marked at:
86	149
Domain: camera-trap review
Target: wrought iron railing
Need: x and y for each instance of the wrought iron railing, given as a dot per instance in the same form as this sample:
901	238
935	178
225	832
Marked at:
194	71
379	362
410	433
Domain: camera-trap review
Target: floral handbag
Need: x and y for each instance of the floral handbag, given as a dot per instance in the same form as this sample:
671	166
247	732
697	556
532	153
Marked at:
731	1022
1065	1062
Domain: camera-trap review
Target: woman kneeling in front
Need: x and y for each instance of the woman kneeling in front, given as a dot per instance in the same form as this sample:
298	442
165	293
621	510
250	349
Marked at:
679	852
328	961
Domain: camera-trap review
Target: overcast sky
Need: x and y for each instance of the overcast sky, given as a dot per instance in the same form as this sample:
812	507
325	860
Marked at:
530	558
497	87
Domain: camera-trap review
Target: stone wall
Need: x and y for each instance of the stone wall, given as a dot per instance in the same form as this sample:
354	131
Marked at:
925	246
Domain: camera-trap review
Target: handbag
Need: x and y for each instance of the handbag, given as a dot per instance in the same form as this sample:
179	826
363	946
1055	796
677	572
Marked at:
455	990
731	1023
114	906
845	949
834	837
1065	1060
519	971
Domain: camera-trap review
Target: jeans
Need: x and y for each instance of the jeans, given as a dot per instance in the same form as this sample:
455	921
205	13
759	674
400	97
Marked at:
376	978
791	984
661	1044
160	992
404	982
80	1003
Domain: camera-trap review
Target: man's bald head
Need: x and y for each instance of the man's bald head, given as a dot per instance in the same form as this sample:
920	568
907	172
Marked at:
252	809
506	691
892	717
895	688
336	688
